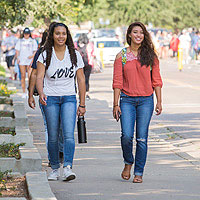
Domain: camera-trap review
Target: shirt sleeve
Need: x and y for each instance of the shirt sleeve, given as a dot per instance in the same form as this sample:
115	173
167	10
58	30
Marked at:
37	54
118	74
3	43
156	77
17	46
42	58
80	63
35	46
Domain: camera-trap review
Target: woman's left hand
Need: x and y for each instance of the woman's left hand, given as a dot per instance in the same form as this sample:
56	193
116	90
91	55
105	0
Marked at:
30	57
158	108
81	111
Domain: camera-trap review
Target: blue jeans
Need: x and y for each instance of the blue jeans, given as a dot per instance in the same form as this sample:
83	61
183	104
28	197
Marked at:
135	110
60	142
17	70
60	109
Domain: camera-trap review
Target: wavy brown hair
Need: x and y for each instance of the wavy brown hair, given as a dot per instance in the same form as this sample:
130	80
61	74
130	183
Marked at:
48	47
146	52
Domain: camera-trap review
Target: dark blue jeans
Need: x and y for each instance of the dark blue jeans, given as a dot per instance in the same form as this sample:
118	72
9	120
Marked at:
60	109
135	110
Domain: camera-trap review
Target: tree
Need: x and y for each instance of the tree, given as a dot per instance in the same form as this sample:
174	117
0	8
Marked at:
44	12
162	13
13	12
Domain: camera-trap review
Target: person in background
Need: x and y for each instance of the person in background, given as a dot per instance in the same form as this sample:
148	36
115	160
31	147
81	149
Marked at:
8	47
136	76
165	44
194	45
25	50
174	42
14	61
33	91
185	44
57	67
86	49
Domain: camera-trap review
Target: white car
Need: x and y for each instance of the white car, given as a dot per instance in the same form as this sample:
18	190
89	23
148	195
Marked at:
111	47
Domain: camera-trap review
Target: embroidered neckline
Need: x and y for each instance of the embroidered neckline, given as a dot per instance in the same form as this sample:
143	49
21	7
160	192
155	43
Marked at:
131	56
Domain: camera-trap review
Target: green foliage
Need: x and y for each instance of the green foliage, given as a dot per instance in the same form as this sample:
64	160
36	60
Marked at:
162	13
6	101
13	12
6	114
3	180
7	130
44	12
10	150
4	91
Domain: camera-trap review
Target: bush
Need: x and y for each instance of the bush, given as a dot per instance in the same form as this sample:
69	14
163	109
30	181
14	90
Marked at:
3	180
10	150
7	130
4	90
2	71
6	114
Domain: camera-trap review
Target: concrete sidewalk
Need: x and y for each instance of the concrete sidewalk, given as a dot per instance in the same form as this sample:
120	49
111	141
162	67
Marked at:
98	164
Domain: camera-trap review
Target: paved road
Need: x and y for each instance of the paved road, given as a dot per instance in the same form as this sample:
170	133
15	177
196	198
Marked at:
172	168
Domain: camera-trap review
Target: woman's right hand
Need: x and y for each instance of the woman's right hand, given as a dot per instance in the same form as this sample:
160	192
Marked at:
116	112
13	61
43	99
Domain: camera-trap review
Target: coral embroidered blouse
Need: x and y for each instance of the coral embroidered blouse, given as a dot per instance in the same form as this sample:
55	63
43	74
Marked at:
134	79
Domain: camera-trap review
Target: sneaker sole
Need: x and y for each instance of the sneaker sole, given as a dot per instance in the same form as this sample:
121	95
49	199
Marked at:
52	179
69	178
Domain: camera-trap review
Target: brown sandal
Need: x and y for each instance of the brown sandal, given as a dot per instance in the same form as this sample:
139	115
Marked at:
126	173
137	179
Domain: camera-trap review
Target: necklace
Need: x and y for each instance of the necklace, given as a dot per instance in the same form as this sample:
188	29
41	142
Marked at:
134	51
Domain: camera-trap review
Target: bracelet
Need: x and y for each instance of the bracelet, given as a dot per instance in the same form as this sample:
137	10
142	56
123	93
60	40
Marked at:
115	105
81	106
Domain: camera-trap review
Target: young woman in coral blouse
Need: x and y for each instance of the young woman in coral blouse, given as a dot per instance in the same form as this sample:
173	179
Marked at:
136	77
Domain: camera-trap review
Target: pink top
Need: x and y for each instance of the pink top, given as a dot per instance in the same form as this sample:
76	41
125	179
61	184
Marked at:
90	52
134	79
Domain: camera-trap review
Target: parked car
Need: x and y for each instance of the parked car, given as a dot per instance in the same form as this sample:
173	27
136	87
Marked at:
111	47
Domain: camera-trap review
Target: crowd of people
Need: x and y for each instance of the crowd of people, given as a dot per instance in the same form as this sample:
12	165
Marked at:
167	43
20	48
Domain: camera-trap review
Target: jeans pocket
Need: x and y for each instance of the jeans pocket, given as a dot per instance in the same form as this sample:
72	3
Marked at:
123	95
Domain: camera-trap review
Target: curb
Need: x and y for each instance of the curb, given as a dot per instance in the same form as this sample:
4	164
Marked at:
14	198
38	186
23	135
30	161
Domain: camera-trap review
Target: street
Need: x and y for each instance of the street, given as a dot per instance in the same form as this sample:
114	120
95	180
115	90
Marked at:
172	169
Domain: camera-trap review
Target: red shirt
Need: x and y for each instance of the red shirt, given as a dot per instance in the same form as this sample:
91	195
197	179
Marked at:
134	79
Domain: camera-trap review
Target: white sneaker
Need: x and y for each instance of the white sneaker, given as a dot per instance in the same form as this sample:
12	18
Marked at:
24	95
68	175
54	175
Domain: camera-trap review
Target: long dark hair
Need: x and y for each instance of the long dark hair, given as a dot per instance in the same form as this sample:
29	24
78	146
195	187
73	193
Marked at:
50	43
83	39
44	37
146	52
